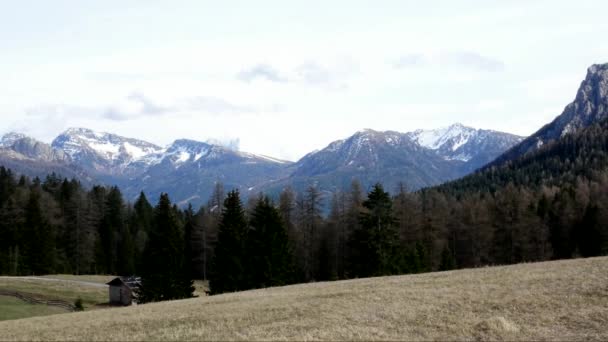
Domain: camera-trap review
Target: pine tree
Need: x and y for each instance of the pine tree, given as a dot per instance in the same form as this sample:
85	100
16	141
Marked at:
141	224
112	226
229	266
189	232
375	242
164	273
271	260
38	238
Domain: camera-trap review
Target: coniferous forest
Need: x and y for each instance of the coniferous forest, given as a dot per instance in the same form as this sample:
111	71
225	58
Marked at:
549	204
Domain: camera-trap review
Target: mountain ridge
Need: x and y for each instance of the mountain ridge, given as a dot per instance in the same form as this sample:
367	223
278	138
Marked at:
189	168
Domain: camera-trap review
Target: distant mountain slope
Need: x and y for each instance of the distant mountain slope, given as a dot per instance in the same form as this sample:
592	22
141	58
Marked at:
589	107
188	171
475	147
416	159
583	153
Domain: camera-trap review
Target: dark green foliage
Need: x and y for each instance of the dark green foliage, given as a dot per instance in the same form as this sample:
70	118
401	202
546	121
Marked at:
375	242
229	266
165	274
39	252
270	256
78	304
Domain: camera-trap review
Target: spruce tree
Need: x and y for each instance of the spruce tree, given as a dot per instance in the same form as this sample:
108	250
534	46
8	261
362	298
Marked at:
189	230
164	273
374	243
271	259
141	223
39	242
229	266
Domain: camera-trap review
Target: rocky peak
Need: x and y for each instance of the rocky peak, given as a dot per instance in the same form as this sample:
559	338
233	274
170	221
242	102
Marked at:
589	106
30	148
9	139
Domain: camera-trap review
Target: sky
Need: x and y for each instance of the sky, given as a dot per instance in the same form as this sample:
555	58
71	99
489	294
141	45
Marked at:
283	78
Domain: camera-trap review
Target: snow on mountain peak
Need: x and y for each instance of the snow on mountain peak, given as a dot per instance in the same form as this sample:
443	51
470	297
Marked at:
114	149
456	134
10	138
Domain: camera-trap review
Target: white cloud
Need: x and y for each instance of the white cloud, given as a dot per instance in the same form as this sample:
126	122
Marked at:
452	59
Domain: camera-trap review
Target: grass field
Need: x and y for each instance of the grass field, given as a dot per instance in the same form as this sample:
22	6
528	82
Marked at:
13	308
561	300
61	290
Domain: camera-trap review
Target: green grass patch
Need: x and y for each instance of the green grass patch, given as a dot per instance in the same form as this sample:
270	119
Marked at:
62	290
14	308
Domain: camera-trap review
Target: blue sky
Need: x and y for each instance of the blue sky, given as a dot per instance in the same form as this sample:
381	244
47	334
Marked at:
287	77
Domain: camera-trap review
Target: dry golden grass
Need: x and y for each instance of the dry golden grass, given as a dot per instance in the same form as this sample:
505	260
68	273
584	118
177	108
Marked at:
562	300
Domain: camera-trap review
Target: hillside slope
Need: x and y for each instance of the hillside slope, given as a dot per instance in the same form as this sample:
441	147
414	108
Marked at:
589	106
581	154
559	300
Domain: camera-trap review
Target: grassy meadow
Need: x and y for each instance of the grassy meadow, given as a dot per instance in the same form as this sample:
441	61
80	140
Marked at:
14	308
67	289
559	300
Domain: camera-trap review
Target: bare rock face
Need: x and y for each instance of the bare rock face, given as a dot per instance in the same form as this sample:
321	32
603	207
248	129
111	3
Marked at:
21	146
589	106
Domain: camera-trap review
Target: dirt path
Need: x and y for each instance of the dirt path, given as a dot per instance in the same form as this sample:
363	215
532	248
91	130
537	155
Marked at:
86	283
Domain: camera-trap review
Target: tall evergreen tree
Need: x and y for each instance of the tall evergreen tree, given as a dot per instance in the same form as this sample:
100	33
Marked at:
165	275
375	242
271	259
38	237
189	232
229	267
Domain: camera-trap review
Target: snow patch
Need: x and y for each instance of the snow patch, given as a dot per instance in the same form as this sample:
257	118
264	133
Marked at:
183	157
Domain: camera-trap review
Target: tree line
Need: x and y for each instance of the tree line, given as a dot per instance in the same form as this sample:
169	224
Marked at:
551	204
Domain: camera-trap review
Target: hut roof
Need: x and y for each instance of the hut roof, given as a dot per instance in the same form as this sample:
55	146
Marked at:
131	282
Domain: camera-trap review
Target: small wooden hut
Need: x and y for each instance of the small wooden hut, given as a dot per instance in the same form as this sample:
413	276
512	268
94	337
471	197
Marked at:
122	290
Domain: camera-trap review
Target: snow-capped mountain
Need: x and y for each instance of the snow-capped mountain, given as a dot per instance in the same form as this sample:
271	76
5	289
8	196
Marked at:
590	106
105	153
416	159
474	147
372	156
188	170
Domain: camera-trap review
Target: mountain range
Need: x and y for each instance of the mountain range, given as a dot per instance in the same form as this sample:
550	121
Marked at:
188	169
